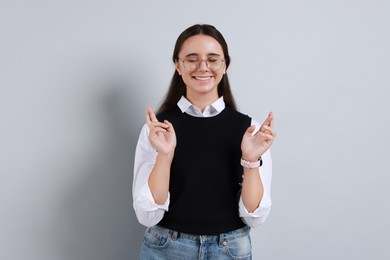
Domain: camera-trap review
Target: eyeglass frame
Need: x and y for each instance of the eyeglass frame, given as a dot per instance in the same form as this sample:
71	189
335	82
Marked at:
200	61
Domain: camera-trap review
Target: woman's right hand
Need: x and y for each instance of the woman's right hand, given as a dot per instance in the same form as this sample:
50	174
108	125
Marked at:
162	135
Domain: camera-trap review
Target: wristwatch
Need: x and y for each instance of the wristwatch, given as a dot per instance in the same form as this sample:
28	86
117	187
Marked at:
251	165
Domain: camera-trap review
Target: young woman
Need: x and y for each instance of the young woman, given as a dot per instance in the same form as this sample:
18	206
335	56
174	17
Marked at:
202	171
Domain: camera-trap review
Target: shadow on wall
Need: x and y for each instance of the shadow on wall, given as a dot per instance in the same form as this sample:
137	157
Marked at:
98	220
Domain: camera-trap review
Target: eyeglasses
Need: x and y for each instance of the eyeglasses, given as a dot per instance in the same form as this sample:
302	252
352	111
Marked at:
193	63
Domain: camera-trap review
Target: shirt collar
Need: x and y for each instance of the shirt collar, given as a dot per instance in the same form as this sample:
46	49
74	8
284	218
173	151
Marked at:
212	110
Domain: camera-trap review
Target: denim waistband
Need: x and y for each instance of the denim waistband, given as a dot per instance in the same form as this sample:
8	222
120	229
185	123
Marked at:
244	231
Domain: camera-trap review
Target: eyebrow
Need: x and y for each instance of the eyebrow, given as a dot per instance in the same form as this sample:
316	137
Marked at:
209	54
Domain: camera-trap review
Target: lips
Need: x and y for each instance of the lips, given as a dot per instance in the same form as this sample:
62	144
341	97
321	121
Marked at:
202	78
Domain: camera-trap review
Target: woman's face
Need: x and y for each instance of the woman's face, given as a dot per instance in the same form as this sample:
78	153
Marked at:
201	78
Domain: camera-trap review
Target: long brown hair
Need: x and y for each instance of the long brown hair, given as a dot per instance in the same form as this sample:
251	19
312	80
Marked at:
177	88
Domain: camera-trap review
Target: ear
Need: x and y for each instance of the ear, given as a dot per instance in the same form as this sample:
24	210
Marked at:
177	66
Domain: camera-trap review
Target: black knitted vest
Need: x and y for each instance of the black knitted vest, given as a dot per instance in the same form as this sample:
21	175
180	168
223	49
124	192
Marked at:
206	173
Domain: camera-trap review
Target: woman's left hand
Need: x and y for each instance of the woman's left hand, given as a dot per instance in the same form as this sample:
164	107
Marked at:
254	146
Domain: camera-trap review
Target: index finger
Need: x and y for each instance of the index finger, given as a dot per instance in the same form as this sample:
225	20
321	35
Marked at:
150	116
269	121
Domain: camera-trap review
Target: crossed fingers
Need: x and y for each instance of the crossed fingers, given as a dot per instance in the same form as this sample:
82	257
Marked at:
154	125
267	128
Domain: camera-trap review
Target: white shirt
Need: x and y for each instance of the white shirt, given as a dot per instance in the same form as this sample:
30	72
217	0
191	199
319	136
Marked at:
149	213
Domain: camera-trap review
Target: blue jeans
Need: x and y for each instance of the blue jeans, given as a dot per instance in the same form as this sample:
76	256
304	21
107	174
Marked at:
165	244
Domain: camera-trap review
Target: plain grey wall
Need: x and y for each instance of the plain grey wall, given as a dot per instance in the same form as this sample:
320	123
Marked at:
76	77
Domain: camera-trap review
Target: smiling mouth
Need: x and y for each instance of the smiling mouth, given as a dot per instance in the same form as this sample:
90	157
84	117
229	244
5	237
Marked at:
202	78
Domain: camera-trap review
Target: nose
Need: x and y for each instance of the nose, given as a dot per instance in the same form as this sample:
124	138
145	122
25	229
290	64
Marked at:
203	66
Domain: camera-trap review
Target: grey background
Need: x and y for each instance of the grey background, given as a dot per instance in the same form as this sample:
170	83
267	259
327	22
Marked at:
76	77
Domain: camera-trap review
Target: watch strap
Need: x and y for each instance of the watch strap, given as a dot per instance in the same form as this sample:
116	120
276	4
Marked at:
251	165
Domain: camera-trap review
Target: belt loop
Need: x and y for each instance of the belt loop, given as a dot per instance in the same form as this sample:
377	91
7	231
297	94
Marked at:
173	234
221	240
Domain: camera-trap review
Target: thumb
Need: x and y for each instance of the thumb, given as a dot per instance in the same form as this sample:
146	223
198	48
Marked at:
250	129
170	126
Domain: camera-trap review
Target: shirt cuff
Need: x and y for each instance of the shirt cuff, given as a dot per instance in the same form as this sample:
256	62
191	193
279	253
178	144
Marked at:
146	200
260	211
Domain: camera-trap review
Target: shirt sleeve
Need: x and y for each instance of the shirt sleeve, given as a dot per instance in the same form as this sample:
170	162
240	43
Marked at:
147	211
260	214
